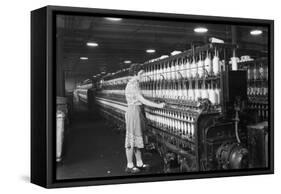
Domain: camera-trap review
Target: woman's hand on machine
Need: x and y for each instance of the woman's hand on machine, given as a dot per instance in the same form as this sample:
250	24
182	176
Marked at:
161	105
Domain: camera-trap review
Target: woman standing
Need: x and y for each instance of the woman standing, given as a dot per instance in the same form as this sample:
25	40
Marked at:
135	122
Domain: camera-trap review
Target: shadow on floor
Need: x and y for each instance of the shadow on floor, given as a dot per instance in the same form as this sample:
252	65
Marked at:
25	178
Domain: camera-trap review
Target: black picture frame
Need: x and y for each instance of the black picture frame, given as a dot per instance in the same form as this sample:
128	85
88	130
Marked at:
43	100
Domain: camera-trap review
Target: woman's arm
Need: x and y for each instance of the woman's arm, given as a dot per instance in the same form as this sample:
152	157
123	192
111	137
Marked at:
149	103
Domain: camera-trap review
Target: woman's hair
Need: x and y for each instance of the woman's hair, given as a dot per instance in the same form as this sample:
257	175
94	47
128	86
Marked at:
134	69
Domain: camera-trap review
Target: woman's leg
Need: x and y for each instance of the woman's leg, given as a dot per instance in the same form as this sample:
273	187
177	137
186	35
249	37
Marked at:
129	155
138	157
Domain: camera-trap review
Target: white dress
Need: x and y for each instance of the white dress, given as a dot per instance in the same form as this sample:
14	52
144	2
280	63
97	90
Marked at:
134	117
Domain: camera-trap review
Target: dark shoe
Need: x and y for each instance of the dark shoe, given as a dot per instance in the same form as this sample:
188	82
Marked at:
144	167
133	170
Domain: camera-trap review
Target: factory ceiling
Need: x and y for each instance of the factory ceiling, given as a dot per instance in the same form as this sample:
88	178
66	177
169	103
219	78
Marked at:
120	40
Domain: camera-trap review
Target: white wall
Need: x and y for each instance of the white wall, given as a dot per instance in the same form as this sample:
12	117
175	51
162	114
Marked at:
71	83
15	94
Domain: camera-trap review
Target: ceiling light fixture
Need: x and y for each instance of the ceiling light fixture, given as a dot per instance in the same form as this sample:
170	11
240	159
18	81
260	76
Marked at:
84	58
150	51
92	44
127	62
256	32
200	30
113	19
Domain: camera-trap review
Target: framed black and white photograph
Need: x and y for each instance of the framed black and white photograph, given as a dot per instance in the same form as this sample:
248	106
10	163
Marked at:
125	96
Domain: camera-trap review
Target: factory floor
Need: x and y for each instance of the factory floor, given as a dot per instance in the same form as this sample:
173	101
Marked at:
94	149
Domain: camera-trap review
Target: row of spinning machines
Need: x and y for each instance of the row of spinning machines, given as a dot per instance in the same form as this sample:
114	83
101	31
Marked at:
204	123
